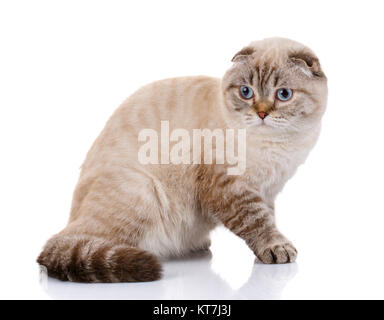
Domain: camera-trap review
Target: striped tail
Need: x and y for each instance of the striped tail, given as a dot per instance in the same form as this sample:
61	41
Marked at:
89	259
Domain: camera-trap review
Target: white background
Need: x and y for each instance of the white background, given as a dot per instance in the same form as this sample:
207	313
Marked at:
66	65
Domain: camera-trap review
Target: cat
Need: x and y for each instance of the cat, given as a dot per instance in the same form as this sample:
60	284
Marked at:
126	215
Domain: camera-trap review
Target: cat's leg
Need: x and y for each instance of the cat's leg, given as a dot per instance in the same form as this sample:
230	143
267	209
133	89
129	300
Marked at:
242	210
99	244
201	248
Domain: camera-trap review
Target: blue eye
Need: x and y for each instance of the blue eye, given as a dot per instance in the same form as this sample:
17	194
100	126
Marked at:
246	92
284	94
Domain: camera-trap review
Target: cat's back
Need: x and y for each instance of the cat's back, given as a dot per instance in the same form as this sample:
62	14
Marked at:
182	101
172	90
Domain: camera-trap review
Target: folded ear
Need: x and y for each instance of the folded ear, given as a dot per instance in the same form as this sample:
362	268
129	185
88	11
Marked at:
308	62
243	53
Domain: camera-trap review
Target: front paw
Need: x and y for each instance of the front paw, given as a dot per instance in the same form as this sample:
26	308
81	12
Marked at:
283	252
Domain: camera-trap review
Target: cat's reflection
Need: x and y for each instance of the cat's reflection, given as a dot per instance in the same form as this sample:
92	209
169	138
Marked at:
267	281
184	278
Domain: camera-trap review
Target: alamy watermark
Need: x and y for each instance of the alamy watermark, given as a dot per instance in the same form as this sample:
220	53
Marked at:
206	146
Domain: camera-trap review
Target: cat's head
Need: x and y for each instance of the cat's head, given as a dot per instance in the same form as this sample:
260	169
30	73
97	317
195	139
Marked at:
276	84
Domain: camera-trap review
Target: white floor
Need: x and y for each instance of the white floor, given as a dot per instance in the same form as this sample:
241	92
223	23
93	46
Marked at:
205	275
228	271
193	278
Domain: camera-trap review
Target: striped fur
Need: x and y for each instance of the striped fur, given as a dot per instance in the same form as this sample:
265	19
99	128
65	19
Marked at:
125	215
90	259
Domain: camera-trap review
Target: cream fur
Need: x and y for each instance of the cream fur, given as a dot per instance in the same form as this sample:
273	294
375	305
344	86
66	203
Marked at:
161	208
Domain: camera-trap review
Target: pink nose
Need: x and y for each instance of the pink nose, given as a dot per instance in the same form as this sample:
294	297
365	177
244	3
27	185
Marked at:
262	115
